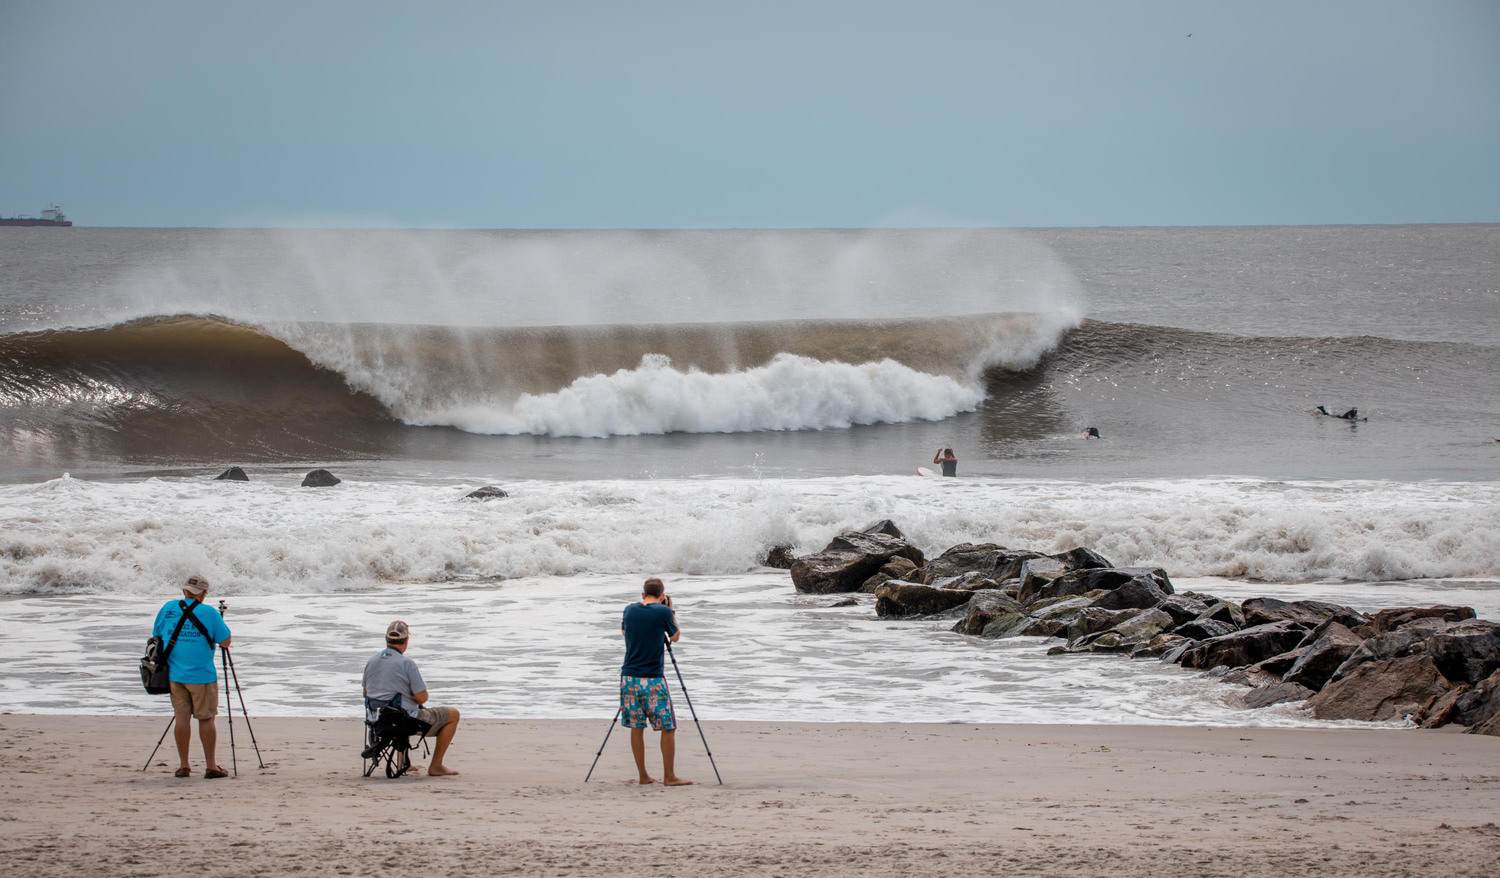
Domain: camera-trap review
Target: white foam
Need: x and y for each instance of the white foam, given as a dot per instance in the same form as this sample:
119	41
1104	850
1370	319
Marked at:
269	536
789	393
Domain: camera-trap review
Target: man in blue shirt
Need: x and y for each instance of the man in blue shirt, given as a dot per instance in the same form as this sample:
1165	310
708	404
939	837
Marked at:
643	687
391	678
190	667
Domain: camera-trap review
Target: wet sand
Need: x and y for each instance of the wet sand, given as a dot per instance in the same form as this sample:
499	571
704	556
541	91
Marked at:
799	799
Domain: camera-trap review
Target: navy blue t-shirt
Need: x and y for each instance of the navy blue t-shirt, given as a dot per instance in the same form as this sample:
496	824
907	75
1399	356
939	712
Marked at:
646	629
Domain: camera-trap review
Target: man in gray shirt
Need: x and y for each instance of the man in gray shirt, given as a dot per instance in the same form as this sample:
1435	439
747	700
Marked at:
392	678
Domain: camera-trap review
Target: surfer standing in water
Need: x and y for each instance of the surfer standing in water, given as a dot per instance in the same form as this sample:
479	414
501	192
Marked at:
949	462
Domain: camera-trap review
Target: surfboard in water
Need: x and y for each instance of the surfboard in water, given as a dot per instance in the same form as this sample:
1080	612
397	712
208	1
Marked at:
924	471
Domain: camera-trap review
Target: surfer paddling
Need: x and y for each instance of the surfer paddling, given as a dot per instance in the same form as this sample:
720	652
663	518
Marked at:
1350	415
948	461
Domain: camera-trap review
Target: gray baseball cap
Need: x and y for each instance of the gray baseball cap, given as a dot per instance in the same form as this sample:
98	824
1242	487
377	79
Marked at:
197	585
397	630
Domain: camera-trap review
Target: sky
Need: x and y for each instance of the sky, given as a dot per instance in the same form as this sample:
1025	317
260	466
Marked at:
765	114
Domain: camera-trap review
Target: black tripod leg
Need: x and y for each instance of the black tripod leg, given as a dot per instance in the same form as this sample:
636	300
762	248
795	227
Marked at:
243	713
694	714
229	711
158	742
606	741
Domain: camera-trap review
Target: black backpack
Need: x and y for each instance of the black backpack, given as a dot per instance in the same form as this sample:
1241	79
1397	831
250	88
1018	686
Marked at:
154	674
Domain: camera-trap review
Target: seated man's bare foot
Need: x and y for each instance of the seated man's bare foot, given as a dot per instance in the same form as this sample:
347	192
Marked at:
440	771
676	782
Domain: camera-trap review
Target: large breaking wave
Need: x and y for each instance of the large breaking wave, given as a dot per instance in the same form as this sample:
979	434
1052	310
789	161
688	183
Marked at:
312	386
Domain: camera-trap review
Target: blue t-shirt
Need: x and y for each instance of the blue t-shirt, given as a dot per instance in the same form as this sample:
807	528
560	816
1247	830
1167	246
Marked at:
192	659
646	629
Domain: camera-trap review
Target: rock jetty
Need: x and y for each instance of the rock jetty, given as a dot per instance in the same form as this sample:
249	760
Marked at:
1433	665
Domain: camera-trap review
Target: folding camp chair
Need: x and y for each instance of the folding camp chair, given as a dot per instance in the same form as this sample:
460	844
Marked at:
388	739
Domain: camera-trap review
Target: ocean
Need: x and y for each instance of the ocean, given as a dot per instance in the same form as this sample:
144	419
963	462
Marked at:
674	403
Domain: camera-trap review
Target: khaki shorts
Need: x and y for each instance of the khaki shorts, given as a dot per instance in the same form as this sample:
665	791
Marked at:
199	699
435	717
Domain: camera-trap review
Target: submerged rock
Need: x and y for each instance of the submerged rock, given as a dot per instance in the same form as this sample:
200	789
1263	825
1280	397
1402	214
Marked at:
1142	592
1092	579
1391	689
1388	620
780	557
233	474
1244	647
910	599
1261	611
1276	693
320	478
964	558
488	492
985	607
898	568
848	560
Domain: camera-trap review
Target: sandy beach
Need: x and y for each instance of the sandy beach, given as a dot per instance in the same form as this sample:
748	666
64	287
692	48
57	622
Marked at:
798	799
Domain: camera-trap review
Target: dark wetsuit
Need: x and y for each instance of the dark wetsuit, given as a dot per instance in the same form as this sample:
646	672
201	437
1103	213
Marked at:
950	467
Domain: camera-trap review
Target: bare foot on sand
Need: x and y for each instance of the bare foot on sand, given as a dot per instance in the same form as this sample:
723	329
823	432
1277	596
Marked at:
676	782
440	771
646	779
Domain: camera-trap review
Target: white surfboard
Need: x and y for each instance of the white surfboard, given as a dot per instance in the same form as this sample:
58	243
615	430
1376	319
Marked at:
927	473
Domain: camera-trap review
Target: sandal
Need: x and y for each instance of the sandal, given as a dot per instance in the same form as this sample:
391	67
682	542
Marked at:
183	772
216	772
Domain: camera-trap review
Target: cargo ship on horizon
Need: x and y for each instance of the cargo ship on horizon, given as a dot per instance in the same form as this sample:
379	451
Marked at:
52	216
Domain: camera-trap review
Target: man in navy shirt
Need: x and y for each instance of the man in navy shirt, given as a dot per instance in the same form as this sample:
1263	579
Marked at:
643	687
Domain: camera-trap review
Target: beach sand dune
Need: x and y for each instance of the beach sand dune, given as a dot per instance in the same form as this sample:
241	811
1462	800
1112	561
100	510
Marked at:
799	799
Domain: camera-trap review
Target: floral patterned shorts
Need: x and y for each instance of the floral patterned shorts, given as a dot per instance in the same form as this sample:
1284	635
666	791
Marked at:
644	699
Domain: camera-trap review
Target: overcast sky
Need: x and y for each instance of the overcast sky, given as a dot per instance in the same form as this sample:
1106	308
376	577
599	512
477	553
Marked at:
750	114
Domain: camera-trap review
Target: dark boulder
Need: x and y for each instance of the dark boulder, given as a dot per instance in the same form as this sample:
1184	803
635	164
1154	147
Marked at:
1479	708
1407	640
1391	689
1204	629
1441	711
1049	621
1008	566
898	568
780	557
1260	611
233	474
848	560
1127	635
1093	620
909	599
488	492
1225	611
1182	608
1276	693
1277	665
971	581
986	607
1467	651
1091	579
964	558
1158	646
1037	572
1245	647
1142	592
320	478
1388	620
1323	656
887	527
1082	559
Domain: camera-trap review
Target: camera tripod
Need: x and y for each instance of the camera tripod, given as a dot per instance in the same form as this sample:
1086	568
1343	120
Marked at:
230	674
694	713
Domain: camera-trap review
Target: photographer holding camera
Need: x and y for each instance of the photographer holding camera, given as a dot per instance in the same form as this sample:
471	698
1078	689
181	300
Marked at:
643	686
195	681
